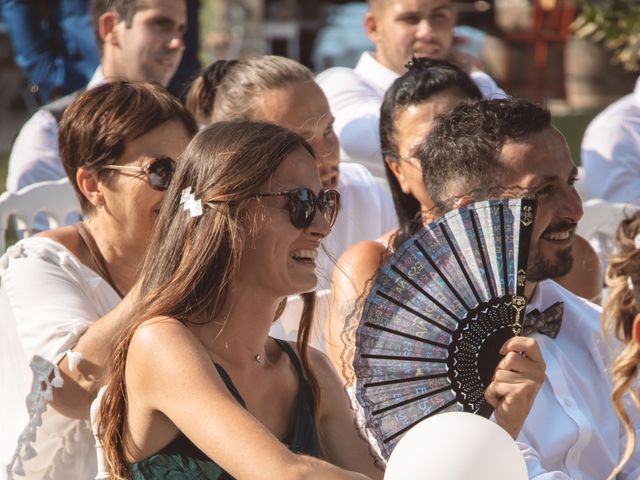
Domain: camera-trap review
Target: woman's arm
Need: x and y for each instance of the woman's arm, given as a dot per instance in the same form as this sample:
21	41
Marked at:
354	269
57	306
339	438
199	405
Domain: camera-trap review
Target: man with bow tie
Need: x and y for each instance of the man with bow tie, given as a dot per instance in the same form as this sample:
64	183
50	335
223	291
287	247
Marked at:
489	148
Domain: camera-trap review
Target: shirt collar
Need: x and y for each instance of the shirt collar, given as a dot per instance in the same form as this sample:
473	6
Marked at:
97	79
375	73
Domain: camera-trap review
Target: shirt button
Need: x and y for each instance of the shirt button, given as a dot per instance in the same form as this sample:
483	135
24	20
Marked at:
567	403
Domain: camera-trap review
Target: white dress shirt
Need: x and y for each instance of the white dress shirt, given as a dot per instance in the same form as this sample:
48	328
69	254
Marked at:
611	151
49	299
366	213
34	156
355	96
572	430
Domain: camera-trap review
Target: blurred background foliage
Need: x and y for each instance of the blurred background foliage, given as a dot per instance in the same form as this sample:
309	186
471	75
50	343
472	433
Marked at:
616	25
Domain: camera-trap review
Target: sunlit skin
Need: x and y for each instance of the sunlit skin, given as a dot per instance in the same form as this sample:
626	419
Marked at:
542	163
148	50
311	119
401	29
268	258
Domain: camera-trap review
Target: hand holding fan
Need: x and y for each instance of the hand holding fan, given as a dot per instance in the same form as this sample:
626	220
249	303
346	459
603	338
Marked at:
437	314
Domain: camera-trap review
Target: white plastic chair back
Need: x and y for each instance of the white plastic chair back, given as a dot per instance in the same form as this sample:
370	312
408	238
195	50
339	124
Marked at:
102	463
599	224
286	327
55	199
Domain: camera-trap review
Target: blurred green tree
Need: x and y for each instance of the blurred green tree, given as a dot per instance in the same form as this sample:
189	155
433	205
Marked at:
614	24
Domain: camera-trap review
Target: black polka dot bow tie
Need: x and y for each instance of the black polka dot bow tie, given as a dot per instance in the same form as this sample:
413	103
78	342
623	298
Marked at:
547	322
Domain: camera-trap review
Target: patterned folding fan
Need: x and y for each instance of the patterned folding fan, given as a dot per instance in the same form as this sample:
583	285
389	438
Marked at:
438	313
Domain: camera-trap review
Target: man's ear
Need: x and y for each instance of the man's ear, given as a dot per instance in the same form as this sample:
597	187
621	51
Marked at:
395	168
88	184
371	27
107	27
636	329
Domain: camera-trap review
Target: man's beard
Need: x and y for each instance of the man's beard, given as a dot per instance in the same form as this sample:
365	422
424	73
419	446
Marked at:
541	268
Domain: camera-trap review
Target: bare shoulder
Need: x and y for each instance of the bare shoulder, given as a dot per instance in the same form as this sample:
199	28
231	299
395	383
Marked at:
69	237
359	263
584	279
163	343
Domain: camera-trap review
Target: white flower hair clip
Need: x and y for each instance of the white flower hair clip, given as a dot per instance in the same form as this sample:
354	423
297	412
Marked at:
191	203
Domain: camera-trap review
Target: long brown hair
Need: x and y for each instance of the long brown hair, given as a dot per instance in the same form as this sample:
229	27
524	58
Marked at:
623	278
191	261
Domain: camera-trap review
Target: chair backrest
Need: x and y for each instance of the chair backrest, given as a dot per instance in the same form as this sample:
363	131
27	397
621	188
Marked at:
103	473
55	199
286	327
600	223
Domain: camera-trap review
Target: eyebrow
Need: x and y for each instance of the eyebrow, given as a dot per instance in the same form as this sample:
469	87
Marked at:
164	20
310	133
556	178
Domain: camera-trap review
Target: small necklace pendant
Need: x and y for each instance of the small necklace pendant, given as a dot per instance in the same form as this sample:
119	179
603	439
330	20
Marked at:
259	358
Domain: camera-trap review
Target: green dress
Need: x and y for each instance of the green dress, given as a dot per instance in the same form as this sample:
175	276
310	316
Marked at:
181	459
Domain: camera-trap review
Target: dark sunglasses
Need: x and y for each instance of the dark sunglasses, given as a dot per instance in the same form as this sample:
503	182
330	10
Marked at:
303	204
158	171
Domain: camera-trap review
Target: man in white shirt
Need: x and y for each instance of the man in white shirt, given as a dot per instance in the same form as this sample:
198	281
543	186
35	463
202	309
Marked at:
611	151
139	40
399	29
572	431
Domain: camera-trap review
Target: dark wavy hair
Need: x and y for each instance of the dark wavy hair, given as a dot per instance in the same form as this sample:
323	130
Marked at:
464	145
423	79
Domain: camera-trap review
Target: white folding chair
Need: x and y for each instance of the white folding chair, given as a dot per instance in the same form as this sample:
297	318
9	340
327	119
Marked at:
286	327
599	224
55	199
103	473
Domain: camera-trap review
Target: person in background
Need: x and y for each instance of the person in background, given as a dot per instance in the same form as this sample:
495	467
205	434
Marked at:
410	107
282	91
510	144
66	290
400	30
621	318
611	151
138	40
53	44
190	63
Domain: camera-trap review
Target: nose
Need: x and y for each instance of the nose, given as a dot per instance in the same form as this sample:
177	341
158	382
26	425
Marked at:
176	43
571	205
319	227
424	29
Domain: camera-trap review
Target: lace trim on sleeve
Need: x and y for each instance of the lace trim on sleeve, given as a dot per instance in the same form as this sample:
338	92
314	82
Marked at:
46	377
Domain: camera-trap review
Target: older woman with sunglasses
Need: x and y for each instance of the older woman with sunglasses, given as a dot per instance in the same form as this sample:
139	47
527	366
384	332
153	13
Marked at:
67	289
238	232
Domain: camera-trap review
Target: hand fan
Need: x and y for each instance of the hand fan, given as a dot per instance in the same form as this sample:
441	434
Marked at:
437	314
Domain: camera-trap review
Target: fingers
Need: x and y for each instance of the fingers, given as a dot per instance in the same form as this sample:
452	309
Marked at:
525	345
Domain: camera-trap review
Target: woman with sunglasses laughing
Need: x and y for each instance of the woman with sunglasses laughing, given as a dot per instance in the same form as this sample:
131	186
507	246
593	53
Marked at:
197	388
67	289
